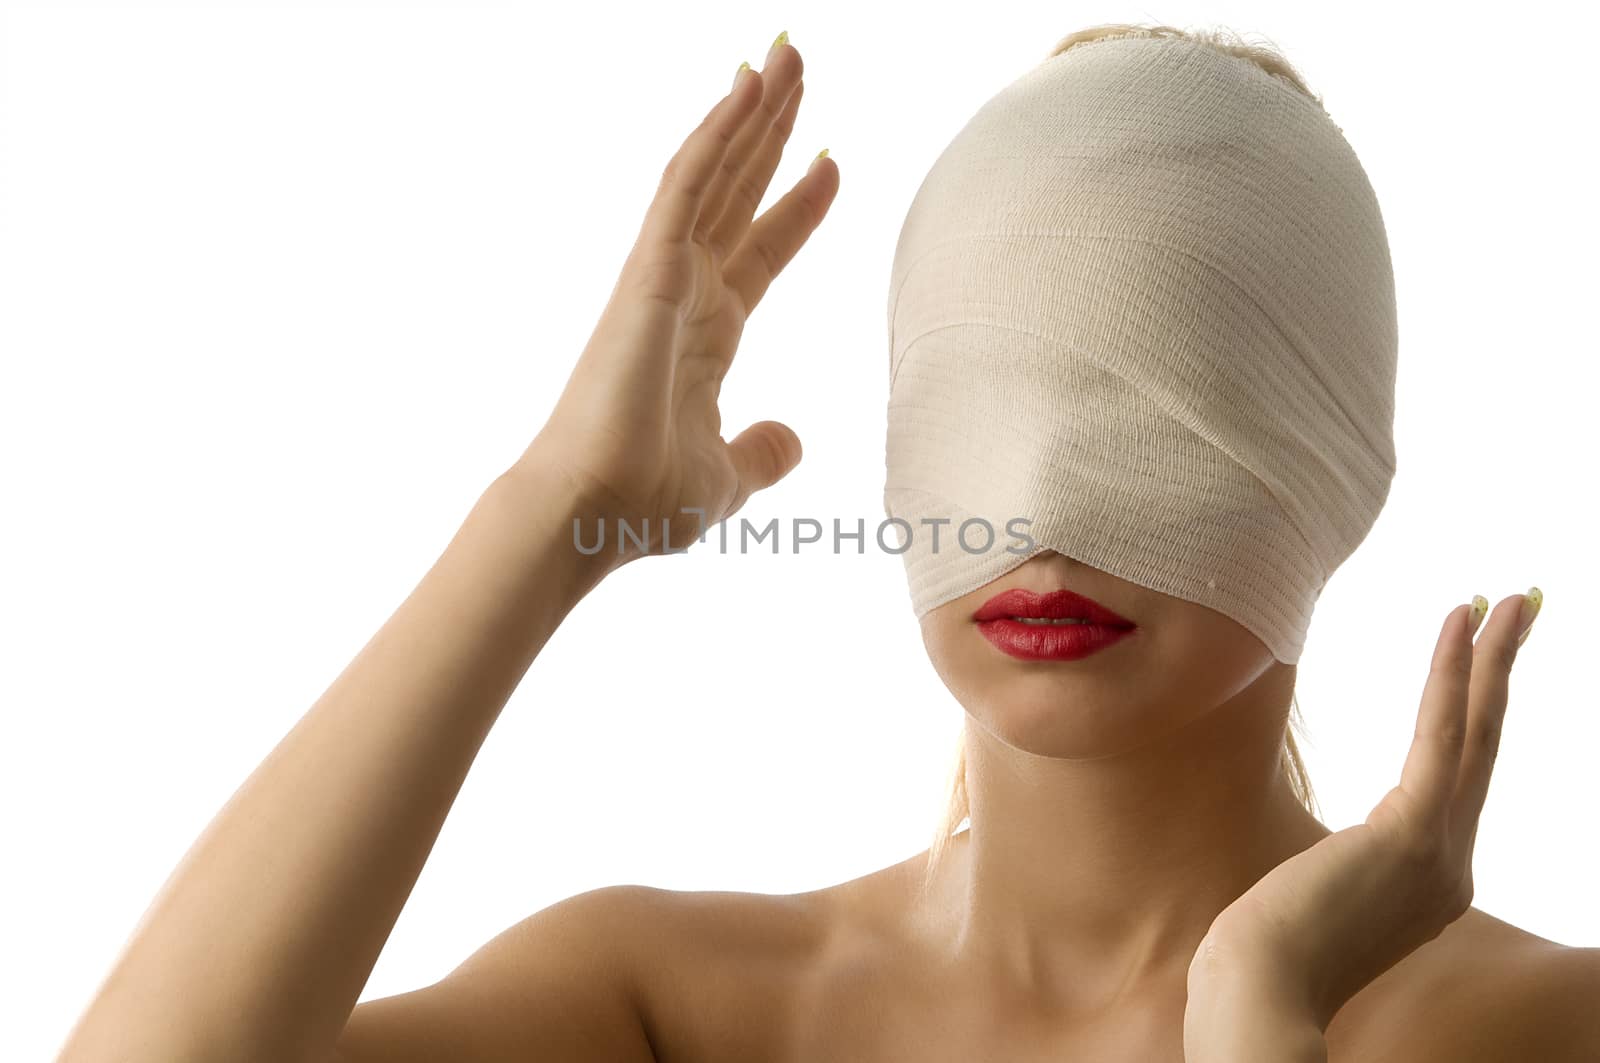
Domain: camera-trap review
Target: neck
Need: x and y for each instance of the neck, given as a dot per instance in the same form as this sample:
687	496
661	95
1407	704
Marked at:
1081	881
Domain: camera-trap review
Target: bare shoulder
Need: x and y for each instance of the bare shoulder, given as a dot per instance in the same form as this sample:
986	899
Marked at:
1559	993
1484	990
719	970
563	981
623	972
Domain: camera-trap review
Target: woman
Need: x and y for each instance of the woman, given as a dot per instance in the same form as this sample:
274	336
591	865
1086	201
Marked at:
1140	881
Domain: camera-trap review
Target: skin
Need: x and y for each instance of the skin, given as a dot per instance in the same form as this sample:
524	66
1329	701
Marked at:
1233	898
1152	767
259	944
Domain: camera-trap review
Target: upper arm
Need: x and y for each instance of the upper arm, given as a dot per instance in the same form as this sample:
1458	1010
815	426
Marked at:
559	987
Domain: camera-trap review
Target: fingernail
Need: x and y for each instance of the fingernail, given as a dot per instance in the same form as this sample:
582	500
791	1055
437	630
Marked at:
1480	608
1531	603
821	154
778	42
737	74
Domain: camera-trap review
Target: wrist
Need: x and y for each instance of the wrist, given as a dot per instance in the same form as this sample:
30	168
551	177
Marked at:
554	518
1250	1016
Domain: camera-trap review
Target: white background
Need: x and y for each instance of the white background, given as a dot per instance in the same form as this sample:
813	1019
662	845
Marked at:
283	287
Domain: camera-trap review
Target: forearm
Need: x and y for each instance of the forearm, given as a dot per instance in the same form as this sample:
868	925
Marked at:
259	944
1248	1020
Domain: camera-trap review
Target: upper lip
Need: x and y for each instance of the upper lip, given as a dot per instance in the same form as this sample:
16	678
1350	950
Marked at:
1052	605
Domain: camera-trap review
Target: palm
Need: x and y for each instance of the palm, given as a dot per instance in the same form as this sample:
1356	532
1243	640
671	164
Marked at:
638	427
694	466
1340	913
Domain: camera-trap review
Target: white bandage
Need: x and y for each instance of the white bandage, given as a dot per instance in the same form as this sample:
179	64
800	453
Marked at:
1144	300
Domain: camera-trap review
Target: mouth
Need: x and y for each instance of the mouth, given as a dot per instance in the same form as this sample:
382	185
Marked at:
1054	608
1056	626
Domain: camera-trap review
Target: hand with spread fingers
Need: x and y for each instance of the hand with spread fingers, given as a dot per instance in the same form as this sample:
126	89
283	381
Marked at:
1331	919
637	430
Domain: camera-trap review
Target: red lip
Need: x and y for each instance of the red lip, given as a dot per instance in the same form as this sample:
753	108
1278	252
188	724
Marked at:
1056	605
1064	642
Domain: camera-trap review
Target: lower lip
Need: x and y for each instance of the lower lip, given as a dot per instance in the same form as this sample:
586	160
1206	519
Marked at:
1050	642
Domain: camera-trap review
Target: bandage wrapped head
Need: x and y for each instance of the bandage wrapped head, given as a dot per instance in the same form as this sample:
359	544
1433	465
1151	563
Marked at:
1142	313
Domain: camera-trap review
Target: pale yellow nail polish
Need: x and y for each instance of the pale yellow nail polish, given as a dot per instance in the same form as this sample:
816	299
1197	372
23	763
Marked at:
1480	609
778	42
1533	601
737	74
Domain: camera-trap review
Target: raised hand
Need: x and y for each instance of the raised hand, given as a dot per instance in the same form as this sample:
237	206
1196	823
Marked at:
637	431
1331	919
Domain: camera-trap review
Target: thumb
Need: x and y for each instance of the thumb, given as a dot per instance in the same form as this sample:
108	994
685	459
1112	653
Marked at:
763	454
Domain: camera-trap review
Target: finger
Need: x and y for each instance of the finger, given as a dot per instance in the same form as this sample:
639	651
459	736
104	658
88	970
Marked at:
762	455
750	184
1492	657
777	236
681	198
1430	771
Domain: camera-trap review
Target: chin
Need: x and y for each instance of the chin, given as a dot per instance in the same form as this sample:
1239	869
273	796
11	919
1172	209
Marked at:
1051	717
